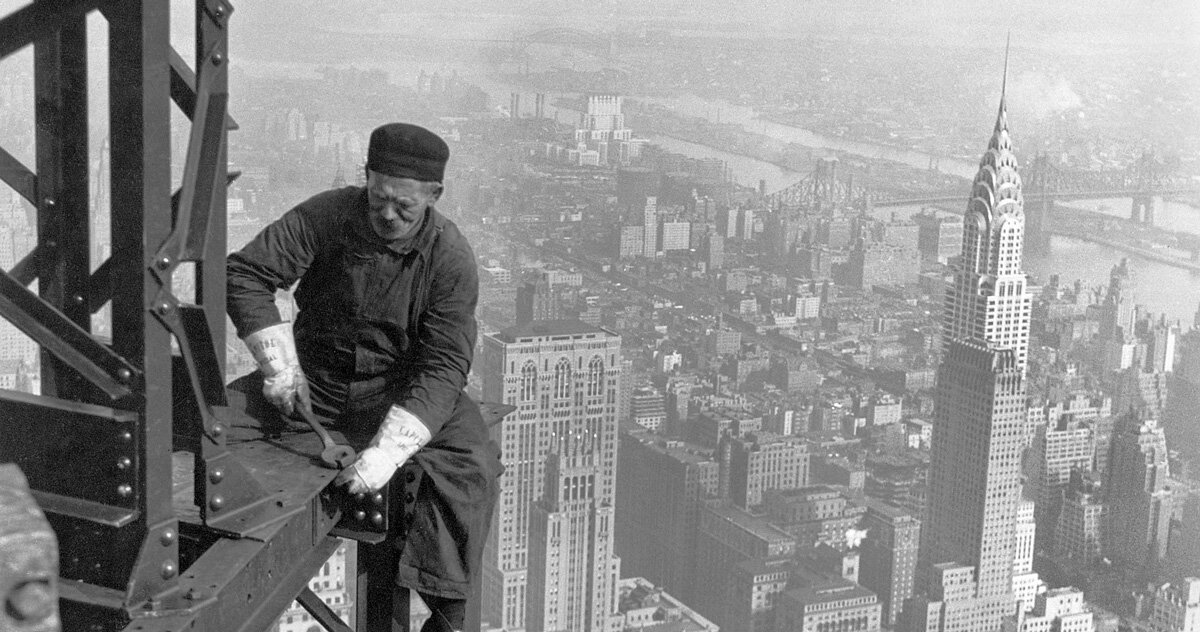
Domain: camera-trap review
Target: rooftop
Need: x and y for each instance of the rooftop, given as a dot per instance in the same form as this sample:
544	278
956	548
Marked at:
549	329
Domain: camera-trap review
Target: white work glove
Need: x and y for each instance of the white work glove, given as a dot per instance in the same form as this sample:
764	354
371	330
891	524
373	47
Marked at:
284	384
400	436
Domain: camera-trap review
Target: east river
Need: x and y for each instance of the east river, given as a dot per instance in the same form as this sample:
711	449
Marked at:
1162	288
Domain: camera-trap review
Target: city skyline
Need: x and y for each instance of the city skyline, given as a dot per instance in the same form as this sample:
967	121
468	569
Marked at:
786	351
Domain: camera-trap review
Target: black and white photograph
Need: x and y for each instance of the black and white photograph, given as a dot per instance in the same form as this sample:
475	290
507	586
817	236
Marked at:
599	316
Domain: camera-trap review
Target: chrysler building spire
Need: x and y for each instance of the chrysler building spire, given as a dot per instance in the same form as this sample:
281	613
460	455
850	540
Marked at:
989	301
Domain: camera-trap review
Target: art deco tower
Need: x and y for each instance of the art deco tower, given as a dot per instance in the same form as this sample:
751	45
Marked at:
549	565
967	538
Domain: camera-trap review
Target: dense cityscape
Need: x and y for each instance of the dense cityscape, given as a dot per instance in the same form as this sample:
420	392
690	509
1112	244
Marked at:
764	386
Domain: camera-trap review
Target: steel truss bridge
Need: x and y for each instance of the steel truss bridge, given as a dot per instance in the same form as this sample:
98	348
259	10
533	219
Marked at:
827	188
142	498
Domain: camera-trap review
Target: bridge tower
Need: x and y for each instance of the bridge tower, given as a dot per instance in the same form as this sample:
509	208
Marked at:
1038	213
1144	179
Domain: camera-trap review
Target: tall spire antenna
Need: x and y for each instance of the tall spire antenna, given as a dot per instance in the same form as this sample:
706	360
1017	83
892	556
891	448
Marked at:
1004	81
1002	114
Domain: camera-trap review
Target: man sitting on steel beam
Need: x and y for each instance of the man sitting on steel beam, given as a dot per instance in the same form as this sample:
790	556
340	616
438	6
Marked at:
382	343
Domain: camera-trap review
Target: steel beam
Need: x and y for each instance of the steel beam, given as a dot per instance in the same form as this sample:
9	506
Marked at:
38	21
64	340
18	176
139	120
321	612
63	229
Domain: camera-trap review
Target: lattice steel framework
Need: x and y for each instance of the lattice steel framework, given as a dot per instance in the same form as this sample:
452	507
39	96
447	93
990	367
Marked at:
166	519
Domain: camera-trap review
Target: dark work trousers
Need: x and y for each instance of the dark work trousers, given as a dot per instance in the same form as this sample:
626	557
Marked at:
387	602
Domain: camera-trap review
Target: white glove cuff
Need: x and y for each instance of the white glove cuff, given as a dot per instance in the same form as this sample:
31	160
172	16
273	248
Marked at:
400	435
374	468
273	348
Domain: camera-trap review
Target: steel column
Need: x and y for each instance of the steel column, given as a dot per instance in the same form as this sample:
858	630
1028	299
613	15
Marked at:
60	84
140	125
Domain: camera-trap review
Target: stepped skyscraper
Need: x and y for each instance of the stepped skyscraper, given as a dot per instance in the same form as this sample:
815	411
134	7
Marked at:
967	538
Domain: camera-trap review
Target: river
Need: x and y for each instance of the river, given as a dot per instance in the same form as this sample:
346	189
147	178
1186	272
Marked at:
1161	288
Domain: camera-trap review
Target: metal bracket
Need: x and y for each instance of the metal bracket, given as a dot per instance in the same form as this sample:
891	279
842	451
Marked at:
365	518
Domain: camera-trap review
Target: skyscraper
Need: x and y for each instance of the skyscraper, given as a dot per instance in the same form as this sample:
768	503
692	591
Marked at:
549	563
967	538
1139	502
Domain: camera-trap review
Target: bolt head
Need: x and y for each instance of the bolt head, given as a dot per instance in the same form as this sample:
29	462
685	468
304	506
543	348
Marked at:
377	499
376	518
49	201
218	59
168	569
167	538
360	515
216	475
124	374
124	491
218	430
125	436
163	307
77	299
217	502
360	497
163	263
124	463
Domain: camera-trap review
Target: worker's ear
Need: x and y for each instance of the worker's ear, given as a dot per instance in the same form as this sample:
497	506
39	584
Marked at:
435	191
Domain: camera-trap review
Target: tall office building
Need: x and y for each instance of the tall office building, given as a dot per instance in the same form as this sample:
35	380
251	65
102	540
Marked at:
1058	448
650	227
549	563
888	555
1139	501
663	485
967	538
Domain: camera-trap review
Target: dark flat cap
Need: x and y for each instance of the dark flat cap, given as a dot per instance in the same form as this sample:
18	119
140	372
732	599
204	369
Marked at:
407	151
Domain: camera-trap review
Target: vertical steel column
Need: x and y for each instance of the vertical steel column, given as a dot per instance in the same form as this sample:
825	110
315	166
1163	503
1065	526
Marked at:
139	115
60	83
212	23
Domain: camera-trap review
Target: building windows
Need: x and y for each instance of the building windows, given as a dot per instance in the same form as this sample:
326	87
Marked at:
562	379
528	381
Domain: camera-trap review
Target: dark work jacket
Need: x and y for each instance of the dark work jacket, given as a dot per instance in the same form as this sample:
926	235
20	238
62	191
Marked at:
382	323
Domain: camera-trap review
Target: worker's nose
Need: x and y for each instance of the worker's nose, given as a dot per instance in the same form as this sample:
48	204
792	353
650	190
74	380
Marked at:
389	212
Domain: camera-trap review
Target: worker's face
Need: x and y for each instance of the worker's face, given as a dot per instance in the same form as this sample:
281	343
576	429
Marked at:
398	204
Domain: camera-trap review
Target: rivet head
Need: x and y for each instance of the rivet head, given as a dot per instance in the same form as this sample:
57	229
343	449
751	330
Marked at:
167	538
217	502
168	569
218	430
377	499
163	263
77	299
124	374
360	515
376	518
216	475
125	436
360	497
31	602
49	201
218	59
163	307
124	491
124	463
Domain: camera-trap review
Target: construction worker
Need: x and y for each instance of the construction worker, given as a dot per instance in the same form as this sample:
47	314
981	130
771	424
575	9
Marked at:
381	344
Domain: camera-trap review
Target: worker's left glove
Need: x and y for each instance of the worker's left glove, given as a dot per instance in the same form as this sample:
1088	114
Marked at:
400	436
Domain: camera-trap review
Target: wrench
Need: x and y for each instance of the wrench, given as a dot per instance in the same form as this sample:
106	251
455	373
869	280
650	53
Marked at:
333	456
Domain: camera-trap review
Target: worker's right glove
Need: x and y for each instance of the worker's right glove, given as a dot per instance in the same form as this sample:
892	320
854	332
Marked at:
284	384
